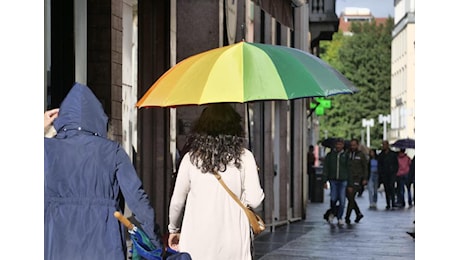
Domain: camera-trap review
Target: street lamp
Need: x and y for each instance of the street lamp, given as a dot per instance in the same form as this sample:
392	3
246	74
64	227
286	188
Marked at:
385	120
368	124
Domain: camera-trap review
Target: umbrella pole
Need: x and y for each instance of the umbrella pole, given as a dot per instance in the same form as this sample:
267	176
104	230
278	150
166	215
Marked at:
248	126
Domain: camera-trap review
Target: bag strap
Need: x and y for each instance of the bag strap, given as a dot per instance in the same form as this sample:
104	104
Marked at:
219	178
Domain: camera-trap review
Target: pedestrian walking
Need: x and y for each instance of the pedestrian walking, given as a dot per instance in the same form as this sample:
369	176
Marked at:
213	225
336	171
402	179
358	172
311	158
388	167
412	179
373	183
87	178
363	184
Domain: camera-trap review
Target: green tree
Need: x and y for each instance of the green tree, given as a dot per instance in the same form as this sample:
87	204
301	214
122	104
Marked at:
330	50
364	58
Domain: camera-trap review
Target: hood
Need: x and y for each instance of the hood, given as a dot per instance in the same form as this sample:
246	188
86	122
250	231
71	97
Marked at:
81	110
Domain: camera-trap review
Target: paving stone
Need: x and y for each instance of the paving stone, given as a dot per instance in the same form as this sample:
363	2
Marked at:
381	234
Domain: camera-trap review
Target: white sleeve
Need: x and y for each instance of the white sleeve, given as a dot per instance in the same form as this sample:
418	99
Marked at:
179	196
253	194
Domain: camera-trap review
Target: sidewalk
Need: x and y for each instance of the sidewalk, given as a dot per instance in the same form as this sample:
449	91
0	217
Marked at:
381	234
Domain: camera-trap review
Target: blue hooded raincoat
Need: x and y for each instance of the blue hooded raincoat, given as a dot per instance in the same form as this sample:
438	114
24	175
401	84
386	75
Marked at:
87	178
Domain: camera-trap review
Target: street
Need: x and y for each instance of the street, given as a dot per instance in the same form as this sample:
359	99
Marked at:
381	234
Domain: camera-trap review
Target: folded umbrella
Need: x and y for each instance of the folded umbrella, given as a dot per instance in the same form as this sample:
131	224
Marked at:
143	249
142	246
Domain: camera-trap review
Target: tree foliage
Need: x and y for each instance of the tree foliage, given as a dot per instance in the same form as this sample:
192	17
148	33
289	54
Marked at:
365	59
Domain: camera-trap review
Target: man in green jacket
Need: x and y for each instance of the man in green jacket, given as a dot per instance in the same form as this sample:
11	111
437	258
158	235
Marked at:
335	170
358	164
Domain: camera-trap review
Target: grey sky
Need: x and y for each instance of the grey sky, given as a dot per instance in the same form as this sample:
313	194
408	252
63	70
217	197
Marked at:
379	8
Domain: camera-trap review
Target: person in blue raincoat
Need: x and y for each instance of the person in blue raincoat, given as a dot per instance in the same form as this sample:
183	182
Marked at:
87	178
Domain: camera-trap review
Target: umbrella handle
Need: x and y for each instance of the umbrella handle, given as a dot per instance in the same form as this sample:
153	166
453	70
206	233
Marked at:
123	220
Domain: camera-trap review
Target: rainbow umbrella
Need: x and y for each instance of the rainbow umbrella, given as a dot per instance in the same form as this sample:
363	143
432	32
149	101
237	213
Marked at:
245	72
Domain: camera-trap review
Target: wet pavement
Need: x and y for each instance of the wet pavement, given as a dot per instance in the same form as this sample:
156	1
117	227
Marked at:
381	234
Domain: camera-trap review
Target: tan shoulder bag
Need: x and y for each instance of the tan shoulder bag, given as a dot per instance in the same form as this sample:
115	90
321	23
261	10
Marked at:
256	222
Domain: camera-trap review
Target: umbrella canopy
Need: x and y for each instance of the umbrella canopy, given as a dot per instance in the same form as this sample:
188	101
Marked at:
330	143
406	143
245	72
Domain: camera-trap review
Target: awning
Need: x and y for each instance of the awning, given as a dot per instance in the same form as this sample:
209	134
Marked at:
281	10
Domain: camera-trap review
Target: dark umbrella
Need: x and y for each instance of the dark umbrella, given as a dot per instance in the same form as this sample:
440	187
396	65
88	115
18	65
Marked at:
404	143
330	143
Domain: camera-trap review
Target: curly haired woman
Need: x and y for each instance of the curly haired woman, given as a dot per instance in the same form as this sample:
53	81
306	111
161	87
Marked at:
213	225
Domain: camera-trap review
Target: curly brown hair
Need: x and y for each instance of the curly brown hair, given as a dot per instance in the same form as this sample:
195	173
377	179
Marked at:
217	139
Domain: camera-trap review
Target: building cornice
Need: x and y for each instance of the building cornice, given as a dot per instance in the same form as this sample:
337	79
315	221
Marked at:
409	18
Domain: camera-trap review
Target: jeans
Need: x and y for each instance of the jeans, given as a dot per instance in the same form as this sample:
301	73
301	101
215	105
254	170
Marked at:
372	187
402	183
338	192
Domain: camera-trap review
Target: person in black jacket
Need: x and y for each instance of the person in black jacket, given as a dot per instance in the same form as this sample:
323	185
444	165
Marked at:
358	172
412	180
311	170
388	167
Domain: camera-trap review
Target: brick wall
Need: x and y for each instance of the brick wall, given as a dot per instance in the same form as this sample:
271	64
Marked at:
105	58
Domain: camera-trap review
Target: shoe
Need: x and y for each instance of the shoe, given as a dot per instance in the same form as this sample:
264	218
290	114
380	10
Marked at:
358	218
412	234
341	222
399	205
330	218
347	220
387	207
